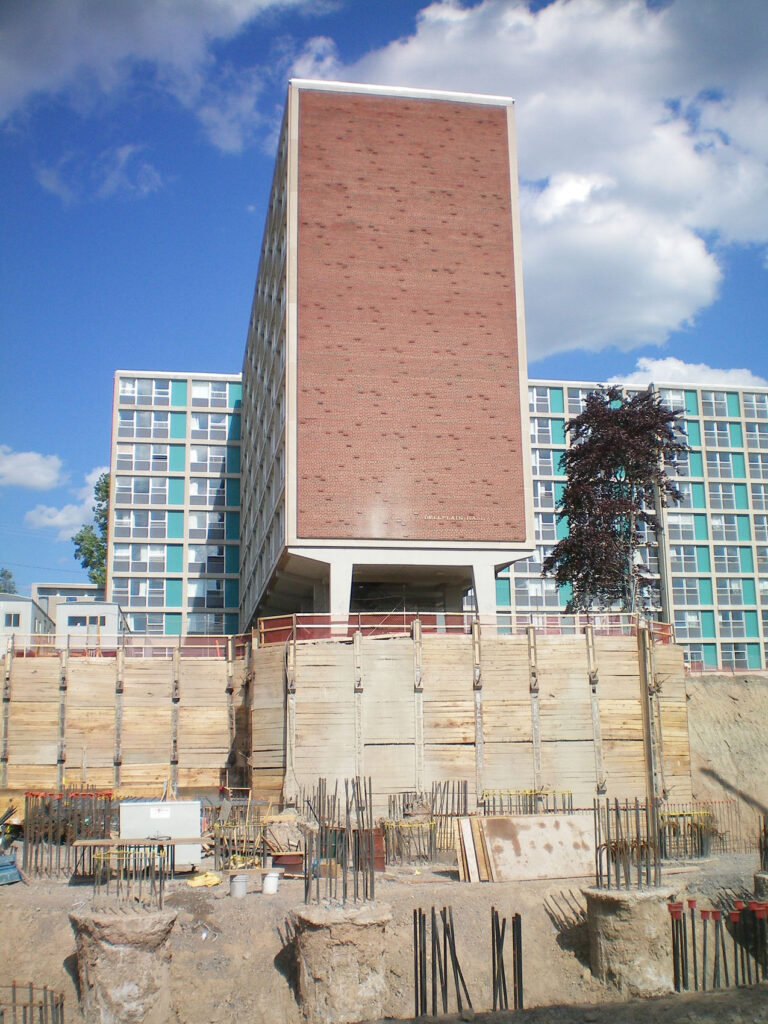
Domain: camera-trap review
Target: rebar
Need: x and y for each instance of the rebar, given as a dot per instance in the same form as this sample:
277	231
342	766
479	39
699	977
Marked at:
26	1004
626	845
54	821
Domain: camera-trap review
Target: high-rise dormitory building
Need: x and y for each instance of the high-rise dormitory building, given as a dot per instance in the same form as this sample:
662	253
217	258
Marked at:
385	453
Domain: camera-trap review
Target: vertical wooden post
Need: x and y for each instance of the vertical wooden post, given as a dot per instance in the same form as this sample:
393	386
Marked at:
117	759
477	687
6	712
358	697
597	736
418	705
533	688
63	681
290	782
175	698
653	770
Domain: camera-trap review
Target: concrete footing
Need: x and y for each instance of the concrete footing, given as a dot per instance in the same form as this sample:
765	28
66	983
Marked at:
761	885
339	953
123	963
630	941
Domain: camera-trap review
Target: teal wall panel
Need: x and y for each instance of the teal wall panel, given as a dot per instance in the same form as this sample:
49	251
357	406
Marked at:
176	490
742	526
700	527
173	624
232	525
703	562
705	592
174	558
746	560
233	458
693	430
178	426
734	409
558	431
691	403
503	595
235	396
708	624
177	456
173	593
696	464
175	527
556	400
231	593
232	558
178	392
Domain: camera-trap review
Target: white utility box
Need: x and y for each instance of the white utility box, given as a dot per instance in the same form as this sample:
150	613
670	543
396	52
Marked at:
171	819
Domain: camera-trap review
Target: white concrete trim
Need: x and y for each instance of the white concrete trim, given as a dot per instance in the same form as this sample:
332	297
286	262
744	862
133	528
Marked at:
401	91
291	316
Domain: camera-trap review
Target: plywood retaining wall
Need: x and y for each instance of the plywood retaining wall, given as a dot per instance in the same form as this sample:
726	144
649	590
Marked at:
503	712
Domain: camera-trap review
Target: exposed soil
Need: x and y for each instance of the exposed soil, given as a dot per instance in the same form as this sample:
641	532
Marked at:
232	962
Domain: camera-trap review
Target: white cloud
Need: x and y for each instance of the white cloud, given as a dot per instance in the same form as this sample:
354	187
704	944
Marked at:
119	172
642	146
675	371
67	519
29	469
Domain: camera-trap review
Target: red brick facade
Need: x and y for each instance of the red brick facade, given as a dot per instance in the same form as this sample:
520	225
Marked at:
408	397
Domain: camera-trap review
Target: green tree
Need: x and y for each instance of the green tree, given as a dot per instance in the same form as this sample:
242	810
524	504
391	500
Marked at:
621	449
91	540
7	582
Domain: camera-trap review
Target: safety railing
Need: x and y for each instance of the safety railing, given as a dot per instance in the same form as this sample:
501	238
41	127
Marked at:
307	627
132	645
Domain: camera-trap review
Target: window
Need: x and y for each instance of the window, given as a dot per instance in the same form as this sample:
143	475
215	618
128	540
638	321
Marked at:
714	403
649	554
541	430
146	622
209	393
535	562
726	559
206	558
144	391
762	560
723	527
12	620
732	624
545	526
759	495
672	399
576	399
722	496
755	405
209	426
730	590
205	594
687	625
543	461
536	594
685	590
142	424
757	435
207	458
686	491
76	620
734	656
538	399
761	527
720	464
206	526
758	465
716	435
682	558
681	527
207	491
206	624
679	464
132	490
543	494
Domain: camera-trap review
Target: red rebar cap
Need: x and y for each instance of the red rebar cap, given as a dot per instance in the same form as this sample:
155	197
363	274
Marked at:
739	904
716	915
705	915
691	904
734	915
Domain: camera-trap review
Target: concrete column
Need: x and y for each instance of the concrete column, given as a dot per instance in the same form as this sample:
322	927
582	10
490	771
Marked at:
484	583
341	587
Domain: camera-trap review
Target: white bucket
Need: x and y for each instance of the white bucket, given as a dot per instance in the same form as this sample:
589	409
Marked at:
238	886
271	882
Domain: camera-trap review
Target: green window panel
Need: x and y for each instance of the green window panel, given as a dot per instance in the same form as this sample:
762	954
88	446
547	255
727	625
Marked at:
691	403
708	624
559	489
175	526
703	562
503	596
698	496
709	654
176	490
556	400
173	593
742	526
177	458
750	595
173	624
233	434
735	435
558	464
746	560
700	527
562	528
231	593
174	558
231	558
741	496
178	392
558	431
739	465
696	464
231	624
705	592
750	624
233	458
235	396
693	430
565	593
233	491
232	525
753	655
734	409
178	426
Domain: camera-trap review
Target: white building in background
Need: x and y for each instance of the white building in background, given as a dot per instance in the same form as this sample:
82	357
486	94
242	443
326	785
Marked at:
22	619
90	623
50	595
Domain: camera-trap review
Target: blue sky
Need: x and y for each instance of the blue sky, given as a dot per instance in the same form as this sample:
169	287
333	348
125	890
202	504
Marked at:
136	150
